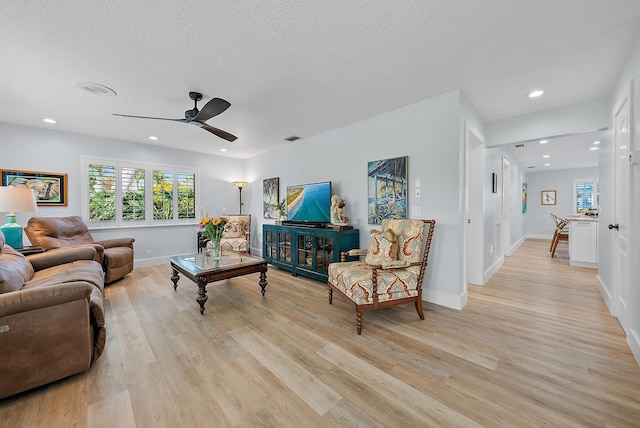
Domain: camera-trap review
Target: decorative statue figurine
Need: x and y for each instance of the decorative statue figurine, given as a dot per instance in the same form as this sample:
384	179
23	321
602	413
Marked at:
337	207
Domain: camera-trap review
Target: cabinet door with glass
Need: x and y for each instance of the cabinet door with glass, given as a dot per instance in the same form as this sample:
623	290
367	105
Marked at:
277	244
284	246
315	251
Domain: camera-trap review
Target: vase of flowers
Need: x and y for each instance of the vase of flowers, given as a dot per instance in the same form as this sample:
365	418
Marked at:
211	230
281	207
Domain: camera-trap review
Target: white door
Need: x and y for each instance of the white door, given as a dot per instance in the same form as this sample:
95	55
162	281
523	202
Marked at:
474	206
505	229
621	225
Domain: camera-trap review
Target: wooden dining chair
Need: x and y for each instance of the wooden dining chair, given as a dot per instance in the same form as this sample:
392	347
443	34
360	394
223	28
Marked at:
561	232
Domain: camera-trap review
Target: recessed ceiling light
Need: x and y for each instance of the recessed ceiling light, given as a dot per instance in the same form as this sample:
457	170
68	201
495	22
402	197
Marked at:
535	94
546	156
223	150
49	120
596	142
594	148
547	164
544	141
153	137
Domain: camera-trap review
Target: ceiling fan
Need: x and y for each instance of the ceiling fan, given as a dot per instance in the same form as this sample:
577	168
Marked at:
198	117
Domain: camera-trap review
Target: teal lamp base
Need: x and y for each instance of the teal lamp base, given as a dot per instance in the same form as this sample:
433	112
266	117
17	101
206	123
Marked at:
12	232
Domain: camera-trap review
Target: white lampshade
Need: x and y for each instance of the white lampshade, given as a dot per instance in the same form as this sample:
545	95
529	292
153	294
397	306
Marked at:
12	200
17	199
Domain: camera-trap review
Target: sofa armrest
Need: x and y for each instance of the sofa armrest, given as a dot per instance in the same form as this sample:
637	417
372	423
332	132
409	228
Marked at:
42	297
61	256
117	242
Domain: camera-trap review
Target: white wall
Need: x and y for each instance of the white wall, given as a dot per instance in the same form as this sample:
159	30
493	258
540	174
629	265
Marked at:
36	149
430	133
538	217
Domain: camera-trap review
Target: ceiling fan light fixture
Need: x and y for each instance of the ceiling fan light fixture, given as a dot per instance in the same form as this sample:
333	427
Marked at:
95	89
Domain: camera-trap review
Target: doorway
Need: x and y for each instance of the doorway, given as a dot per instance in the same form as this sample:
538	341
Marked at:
506	207
474	206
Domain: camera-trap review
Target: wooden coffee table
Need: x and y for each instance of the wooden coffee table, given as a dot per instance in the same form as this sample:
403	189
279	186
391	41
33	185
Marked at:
203	269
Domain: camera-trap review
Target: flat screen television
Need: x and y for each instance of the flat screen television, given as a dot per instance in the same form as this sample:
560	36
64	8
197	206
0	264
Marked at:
309	203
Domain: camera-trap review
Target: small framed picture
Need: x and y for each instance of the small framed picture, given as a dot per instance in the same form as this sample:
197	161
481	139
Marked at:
548	197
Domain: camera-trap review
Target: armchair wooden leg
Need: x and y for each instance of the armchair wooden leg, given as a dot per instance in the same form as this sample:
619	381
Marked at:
359	321
330	295
419	308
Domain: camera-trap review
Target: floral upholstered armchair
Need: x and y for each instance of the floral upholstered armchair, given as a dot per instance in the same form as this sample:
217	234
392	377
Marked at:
237	233
391	272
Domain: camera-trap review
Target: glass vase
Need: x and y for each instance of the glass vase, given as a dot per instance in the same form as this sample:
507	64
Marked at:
214	247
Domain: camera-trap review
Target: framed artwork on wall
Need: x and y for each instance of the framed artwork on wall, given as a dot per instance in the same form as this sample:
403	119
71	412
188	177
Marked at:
548	197
50	188
387	189
524	197
270	197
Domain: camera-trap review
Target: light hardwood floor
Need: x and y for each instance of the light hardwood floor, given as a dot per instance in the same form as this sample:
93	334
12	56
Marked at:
533	347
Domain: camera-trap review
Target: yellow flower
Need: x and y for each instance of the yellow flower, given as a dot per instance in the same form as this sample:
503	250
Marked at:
216	221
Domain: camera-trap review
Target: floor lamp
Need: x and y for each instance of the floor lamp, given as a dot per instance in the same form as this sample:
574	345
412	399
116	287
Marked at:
12	200
240	185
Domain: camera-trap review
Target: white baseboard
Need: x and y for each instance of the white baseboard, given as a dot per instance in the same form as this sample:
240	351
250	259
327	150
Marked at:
604	292
519	242
633	340
444	299
493	269
151	261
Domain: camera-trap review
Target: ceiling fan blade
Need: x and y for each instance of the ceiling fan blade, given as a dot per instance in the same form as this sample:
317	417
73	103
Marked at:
219	132
155	118
213	108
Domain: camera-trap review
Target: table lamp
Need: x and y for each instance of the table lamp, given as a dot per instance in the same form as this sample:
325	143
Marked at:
12	200
240	185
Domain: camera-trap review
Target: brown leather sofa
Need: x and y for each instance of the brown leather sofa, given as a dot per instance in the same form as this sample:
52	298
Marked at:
115	255
51	316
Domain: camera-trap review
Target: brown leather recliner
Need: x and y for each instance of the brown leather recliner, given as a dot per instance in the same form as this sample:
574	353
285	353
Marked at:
115	255
52	321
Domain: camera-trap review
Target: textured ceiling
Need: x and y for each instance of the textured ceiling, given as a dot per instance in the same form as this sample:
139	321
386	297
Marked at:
295	66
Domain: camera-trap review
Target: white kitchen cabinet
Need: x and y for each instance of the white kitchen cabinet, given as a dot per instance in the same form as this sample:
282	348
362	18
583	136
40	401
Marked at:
583	242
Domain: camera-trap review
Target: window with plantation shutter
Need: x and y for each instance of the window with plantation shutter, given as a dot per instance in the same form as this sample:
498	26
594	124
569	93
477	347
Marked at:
133	194
186	195
117	193
586	195
102	192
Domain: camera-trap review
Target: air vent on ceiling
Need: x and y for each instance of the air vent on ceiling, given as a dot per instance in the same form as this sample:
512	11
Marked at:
293	138
95	88
519	146
531	167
